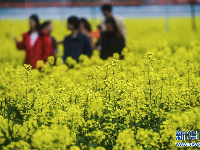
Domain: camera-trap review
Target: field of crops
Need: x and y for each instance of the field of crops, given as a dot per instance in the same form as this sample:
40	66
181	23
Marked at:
136	103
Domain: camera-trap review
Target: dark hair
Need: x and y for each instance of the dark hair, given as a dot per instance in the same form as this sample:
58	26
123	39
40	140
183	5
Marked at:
73	20
107	7
86	24
99	27
45	24
112	21
37	21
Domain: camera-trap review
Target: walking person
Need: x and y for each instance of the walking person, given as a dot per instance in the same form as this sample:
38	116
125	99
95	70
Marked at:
76	43
111	40
107	12
31	42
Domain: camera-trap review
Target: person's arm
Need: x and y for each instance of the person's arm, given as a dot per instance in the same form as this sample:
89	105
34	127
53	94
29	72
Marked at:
59	42
100	41
98	44
47	48
92	40
65	50
20	44
55	46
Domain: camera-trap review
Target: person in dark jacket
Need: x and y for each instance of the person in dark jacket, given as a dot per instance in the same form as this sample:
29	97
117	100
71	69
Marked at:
31	42
76	43
111	40
107	11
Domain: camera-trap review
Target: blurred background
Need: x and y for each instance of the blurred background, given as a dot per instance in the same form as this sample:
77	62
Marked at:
149	23
61	9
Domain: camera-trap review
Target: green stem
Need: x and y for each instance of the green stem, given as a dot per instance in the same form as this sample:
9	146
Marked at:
149	84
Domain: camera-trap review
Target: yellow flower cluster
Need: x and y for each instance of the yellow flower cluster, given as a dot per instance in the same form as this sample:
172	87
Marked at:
135	103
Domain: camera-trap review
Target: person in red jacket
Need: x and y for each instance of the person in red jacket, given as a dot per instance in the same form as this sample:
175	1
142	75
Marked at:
31	42
47	41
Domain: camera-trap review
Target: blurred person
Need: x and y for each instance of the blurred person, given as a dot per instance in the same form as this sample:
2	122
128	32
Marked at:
31	42
85	28
107	12
111	40
76	43
49	46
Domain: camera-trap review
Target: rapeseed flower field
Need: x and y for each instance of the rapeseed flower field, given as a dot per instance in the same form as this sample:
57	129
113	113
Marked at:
135	103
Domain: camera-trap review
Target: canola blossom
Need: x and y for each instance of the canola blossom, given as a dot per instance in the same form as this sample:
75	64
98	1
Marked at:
135	103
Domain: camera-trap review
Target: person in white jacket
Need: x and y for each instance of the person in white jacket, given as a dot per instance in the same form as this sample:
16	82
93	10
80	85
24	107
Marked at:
107	12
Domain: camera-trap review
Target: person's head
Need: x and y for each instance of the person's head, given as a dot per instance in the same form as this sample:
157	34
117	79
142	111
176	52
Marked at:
47	26
106	10
84	24
111	26
73	23
34	22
